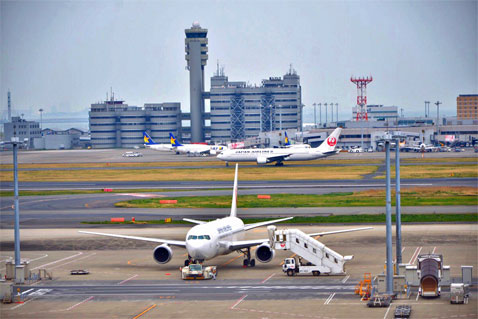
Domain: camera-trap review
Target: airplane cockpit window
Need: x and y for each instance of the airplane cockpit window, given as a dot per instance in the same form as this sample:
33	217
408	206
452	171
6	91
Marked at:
192	237
207	237
200	237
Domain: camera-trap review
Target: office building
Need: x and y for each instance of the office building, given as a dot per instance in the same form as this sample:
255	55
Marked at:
240	111
467	106
378	112
25	130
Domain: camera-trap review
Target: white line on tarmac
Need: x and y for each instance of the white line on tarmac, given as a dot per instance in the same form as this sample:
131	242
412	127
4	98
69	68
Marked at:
238	302
81	302
22	304
72	261
54	262
418	295
267	278
388	309
434	248
328	300
126	280
345	279
27	291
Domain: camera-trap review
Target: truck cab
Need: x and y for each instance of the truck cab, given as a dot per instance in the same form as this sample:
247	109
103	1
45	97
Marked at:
291	267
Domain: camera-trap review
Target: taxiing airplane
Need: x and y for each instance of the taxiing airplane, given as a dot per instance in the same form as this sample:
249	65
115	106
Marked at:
222	236
279	155
149	143
421	148
288	144
195	149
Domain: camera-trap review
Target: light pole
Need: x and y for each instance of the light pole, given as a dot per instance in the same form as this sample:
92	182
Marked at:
325	104
332	111
315	115
337	111
41	118
320	114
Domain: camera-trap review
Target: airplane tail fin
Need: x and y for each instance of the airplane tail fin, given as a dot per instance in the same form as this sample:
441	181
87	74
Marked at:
234	195
286	139
147	139
174	141
330	142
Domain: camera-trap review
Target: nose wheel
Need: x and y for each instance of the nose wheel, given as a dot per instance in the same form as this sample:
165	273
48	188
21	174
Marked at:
248	262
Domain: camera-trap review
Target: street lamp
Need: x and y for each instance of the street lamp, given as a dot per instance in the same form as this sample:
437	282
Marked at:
41	118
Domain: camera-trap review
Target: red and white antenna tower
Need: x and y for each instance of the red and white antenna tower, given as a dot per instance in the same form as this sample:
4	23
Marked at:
361	97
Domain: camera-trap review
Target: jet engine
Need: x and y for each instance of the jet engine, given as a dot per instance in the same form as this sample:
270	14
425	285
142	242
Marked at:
264	253
261	160
212	152
162	254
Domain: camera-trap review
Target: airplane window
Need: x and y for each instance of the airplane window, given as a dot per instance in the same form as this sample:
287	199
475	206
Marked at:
207	237
201	237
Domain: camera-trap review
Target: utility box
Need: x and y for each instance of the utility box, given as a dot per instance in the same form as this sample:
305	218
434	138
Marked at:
402	269
381	283
411	276
399	284
446	279
467	274
10	269
6	292
20	274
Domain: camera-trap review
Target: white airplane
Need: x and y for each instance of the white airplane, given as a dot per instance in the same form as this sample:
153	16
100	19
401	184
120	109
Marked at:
289	145
421	148
279	155
195	149
149	143
222	236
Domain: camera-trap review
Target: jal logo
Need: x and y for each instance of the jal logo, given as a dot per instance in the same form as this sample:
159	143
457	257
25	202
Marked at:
331	141
282	245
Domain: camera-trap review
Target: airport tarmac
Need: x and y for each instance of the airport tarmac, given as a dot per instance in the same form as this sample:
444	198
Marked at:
115	156
125	282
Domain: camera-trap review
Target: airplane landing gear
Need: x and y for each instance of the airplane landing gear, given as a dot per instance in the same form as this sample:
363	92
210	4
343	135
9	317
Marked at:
188	261
248	262
279	164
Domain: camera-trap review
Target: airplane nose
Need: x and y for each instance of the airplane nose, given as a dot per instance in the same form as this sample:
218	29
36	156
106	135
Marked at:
196	250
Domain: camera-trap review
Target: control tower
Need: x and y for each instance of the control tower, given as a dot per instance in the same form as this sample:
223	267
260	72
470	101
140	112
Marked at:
196	57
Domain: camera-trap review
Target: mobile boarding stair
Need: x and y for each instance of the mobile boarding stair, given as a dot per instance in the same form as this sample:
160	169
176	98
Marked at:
327	260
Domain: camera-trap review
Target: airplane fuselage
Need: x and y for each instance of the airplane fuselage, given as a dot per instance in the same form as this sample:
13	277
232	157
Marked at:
253	154
209	240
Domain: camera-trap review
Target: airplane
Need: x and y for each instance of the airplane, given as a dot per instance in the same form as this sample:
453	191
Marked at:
149	143
288	144
195	149
222	236
422	147
279	155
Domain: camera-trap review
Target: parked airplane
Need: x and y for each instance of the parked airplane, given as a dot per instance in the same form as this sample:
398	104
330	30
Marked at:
279	155
288	144
421	148
222	236
149	143
195	149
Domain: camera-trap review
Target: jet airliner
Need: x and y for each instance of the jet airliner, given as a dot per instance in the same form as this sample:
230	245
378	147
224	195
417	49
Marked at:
279	155
149	143
222	236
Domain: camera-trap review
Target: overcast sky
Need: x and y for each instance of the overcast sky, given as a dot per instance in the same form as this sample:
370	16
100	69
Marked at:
65	55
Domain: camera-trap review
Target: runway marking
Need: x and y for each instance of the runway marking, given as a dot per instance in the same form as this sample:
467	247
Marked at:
388	309
145	311
268	278
238	302
434	248
126	280
22	304
415	255
27	291
139	195
92	254
54	262
80	303
345	279
418	295
328	300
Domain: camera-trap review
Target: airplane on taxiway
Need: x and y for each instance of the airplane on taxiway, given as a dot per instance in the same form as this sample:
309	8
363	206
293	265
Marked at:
279	155
195	149
149	143
222	236
288	144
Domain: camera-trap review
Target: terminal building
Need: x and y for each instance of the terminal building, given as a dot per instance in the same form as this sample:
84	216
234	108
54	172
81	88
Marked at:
25	130
467	106
114	124
240	111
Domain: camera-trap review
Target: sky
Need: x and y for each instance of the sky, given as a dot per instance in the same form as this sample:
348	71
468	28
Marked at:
62	56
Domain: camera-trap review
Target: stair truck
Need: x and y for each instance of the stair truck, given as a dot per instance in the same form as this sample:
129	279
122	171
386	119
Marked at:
430	270
320	258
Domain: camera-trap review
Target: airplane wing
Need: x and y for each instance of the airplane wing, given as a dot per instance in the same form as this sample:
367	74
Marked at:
178	243
339	231
255	225
241	244
275	158
194	221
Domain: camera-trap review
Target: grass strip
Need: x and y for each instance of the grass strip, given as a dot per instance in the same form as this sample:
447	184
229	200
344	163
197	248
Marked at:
332	219
194	174
419	196
92	191
434	171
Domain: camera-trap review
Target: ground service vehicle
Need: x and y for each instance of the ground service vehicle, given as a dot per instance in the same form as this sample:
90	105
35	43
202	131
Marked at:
291	267
459	293
197	271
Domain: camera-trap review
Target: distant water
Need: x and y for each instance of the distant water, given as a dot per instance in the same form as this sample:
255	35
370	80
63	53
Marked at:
66	123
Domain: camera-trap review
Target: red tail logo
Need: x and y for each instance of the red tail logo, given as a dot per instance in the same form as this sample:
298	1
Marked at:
331	141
